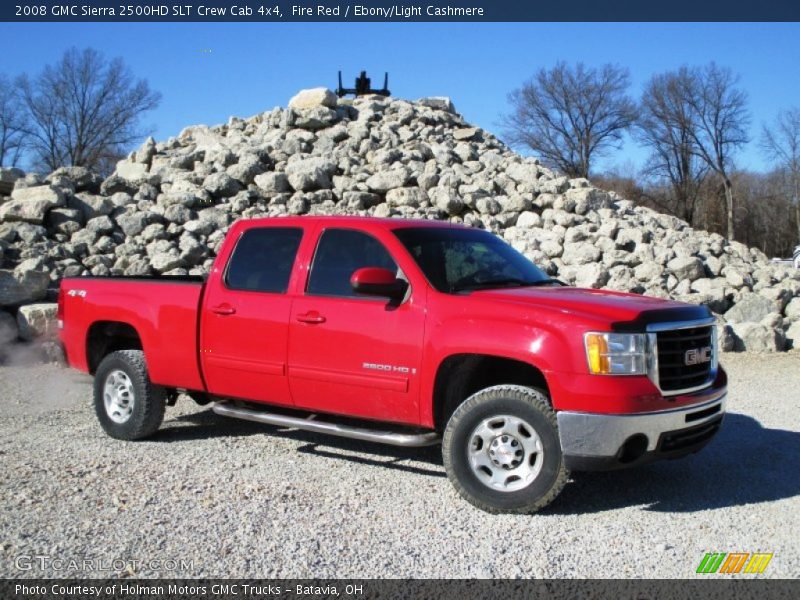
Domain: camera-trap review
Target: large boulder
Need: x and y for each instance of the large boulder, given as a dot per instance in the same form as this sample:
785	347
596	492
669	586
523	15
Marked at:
751	308
273	182
383	181
438	102
793	335
317	117
31	204
312	98
82	178
27	283
758	337
311	174
133	172
686	267
37	321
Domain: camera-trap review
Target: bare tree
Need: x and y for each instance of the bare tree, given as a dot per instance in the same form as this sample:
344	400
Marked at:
12	124
85	110
568	115
781	143
719	110
667	126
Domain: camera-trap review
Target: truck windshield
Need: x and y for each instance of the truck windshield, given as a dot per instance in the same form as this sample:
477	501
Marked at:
457	260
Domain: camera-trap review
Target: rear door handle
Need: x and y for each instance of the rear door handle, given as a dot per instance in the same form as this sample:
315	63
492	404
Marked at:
312	317
223	309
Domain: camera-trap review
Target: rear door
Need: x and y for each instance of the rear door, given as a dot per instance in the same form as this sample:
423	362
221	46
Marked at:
245	318
352	354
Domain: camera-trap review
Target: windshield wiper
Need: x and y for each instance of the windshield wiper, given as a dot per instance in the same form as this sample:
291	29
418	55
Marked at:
547	282
493	283
501	283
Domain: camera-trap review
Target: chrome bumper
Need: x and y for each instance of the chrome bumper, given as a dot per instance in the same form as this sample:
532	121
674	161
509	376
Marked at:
594	435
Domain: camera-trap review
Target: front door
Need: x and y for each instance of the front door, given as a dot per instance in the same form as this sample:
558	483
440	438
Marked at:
245	320
354	354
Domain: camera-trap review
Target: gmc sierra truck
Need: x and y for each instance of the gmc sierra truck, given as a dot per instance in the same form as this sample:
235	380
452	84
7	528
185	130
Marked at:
410	333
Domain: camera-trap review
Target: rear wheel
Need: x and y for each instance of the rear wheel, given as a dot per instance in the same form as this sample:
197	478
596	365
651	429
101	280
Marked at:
128	405
501	450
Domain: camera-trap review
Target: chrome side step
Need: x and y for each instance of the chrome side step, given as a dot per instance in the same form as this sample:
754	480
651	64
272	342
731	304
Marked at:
409	440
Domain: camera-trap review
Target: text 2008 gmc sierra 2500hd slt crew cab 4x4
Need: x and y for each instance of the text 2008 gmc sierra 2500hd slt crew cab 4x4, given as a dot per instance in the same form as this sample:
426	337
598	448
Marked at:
408	333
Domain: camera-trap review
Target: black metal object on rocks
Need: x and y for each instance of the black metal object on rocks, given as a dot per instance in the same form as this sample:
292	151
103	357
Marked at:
363	86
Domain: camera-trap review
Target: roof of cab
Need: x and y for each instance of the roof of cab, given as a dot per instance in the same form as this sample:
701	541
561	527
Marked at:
352	221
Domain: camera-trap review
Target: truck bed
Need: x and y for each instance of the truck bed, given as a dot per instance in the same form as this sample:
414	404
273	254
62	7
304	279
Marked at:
162	310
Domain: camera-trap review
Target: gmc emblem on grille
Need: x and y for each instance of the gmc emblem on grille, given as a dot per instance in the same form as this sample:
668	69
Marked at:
697	356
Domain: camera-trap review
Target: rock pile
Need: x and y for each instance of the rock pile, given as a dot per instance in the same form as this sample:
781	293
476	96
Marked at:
167	207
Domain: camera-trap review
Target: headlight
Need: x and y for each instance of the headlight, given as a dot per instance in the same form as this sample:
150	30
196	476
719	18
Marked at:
616	353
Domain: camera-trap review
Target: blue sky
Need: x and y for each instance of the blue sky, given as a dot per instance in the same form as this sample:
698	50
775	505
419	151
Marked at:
207	72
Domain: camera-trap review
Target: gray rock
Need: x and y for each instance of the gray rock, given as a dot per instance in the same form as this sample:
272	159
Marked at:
311	174
100	225
580	254
529	219
756	337
438	102
167	261
83	179
360	200
686	267
793	334
273	182
92	206
410	196
524	173
465	133
221	185
133	172
26	283
37	321
314	118
750	308
31	204
383	181
134	223
313	97
446	200
591	275
792	310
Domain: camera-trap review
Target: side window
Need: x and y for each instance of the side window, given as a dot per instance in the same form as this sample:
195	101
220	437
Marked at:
262	260
341	252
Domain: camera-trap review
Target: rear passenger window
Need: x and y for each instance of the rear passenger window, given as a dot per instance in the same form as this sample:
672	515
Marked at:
341	252
262	260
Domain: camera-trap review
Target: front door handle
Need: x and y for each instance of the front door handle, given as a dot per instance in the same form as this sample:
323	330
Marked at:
223	309
312	317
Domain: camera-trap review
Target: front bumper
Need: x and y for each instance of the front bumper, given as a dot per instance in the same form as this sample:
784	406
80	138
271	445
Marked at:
593	441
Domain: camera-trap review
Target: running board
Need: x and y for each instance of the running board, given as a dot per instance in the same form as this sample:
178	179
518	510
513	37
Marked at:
408	440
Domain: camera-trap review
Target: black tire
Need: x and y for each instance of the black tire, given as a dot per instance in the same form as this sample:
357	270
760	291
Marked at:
531	406
148	401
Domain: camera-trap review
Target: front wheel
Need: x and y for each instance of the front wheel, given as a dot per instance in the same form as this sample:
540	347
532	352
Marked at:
501	450
128	405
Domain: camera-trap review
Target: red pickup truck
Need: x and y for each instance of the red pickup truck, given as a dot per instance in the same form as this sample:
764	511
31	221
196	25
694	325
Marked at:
410	333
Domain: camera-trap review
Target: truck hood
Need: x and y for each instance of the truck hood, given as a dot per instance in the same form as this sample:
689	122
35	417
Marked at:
622	311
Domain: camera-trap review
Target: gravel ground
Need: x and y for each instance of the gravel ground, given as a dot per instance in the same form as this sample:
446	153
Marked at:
232	498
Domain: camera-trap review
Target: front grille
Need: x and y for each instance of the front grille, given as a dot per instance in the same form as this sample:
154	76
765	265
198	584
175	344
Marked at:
672	441
674	374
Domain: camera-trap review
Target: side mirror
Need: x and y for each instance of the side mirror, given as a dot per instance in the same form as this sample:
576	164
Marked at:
374	281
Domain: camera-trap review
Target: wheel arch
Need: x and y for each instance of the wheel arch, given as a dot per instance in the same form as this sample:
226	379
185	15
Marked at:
105	337
458	376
